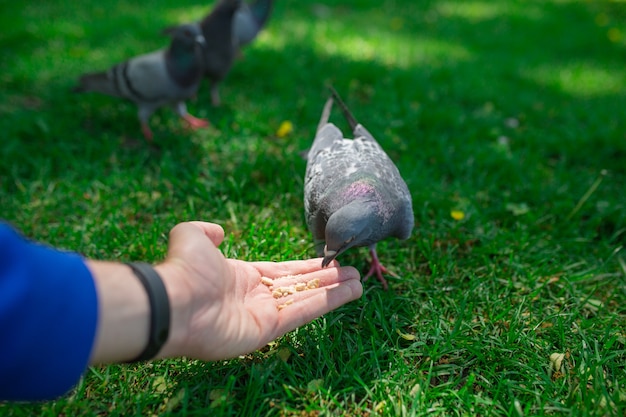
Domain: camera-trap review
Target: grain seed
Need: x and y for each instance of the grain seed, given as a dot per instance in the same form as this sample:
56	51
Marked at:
314	283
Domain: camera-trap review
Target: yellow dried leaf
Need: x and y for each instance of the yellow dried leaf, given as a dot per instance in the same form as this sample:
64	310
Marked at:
457	215
284	129
406	336
380	406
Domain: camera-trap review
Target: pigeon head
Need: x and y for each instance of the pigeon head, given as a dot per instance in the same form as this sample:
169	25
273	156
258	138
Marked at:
352	225
186	35
184	56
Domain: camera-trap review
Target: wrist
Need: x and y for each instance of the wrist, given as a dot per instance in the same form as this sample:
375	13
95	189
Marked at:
123	313
180	299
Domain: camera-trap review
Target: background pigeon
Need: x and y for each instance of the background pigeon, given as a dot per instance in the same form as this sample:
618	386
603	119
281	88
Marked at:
230	25
221	45
353	193
165	77
250	19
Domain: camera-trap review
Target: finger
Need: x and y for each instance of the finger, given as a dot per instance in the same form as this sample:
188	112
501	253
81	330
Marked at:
213	231
186	233
313	279
319	303
287	298
281	269
290	290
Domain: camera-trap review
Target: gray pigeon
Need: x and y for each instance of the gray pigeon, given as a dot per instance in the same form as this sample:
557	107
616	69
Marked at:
250	19
230	25
221	45
165	77
353	193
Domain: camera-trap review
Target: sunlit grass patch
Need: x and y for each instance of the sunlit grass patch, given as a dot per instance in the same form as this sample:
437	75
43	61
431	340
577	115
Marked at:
477	11
581	79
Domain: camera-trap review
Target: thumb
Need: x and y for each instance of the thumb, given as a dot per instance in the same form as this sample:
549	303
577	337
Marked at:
184	234
213	231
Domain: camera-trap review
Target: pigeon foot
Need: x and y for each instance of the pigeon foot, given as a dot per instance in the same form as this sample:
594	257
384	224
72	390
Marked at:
378	270
147	132
195	122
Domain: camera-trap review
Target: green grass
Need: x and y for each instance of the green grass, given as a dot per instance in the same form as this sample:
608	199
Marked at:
509	111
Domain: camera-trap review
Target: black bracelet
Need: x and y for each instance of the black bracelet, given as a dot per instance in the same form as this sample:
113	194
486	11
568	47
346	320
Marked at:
159	309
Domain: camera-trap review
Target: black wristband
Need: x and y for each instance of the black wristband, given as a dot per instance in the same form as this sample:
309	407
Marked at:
159	309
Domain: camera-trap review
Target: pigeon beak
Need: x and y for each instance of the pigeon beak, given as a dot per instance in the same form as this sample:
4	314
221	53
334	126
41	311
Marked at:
200	40
329	255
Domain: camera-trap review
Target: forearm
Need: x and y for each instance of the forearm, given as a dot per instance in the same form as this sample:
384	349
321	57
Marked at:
124	313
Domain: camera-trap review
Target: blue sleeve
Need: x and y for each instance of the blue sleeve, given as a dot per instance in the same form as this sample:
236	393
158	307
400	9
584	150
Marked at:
48	318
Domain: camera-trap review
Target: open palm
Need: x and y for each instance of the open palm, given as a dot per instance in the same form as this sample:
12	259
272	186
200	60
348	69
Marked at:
233	309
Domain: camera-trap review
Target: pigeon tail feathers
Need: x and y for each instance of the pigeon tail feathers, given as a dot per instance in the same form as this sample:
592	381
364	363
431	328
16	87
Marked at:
99	82
344	109
250	19
325	113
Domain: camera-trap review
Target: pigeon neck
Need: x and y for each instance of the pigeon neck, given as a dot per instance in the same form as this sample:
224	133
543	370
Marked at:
351	225
183	62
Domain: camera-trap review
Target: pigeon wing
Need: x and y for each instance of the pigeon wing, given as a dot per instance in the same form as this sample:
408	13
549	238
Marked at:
250	19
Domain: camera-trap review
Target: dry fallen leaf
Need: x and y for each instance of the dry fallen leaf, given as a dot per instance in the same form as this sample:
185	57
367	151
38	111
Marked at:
556	361
406	336
284	129
457	215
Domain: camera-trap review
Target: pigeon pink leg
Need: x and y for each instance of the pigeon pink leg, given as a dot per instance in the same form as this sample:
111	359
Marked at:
147	133
195	122
378	269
